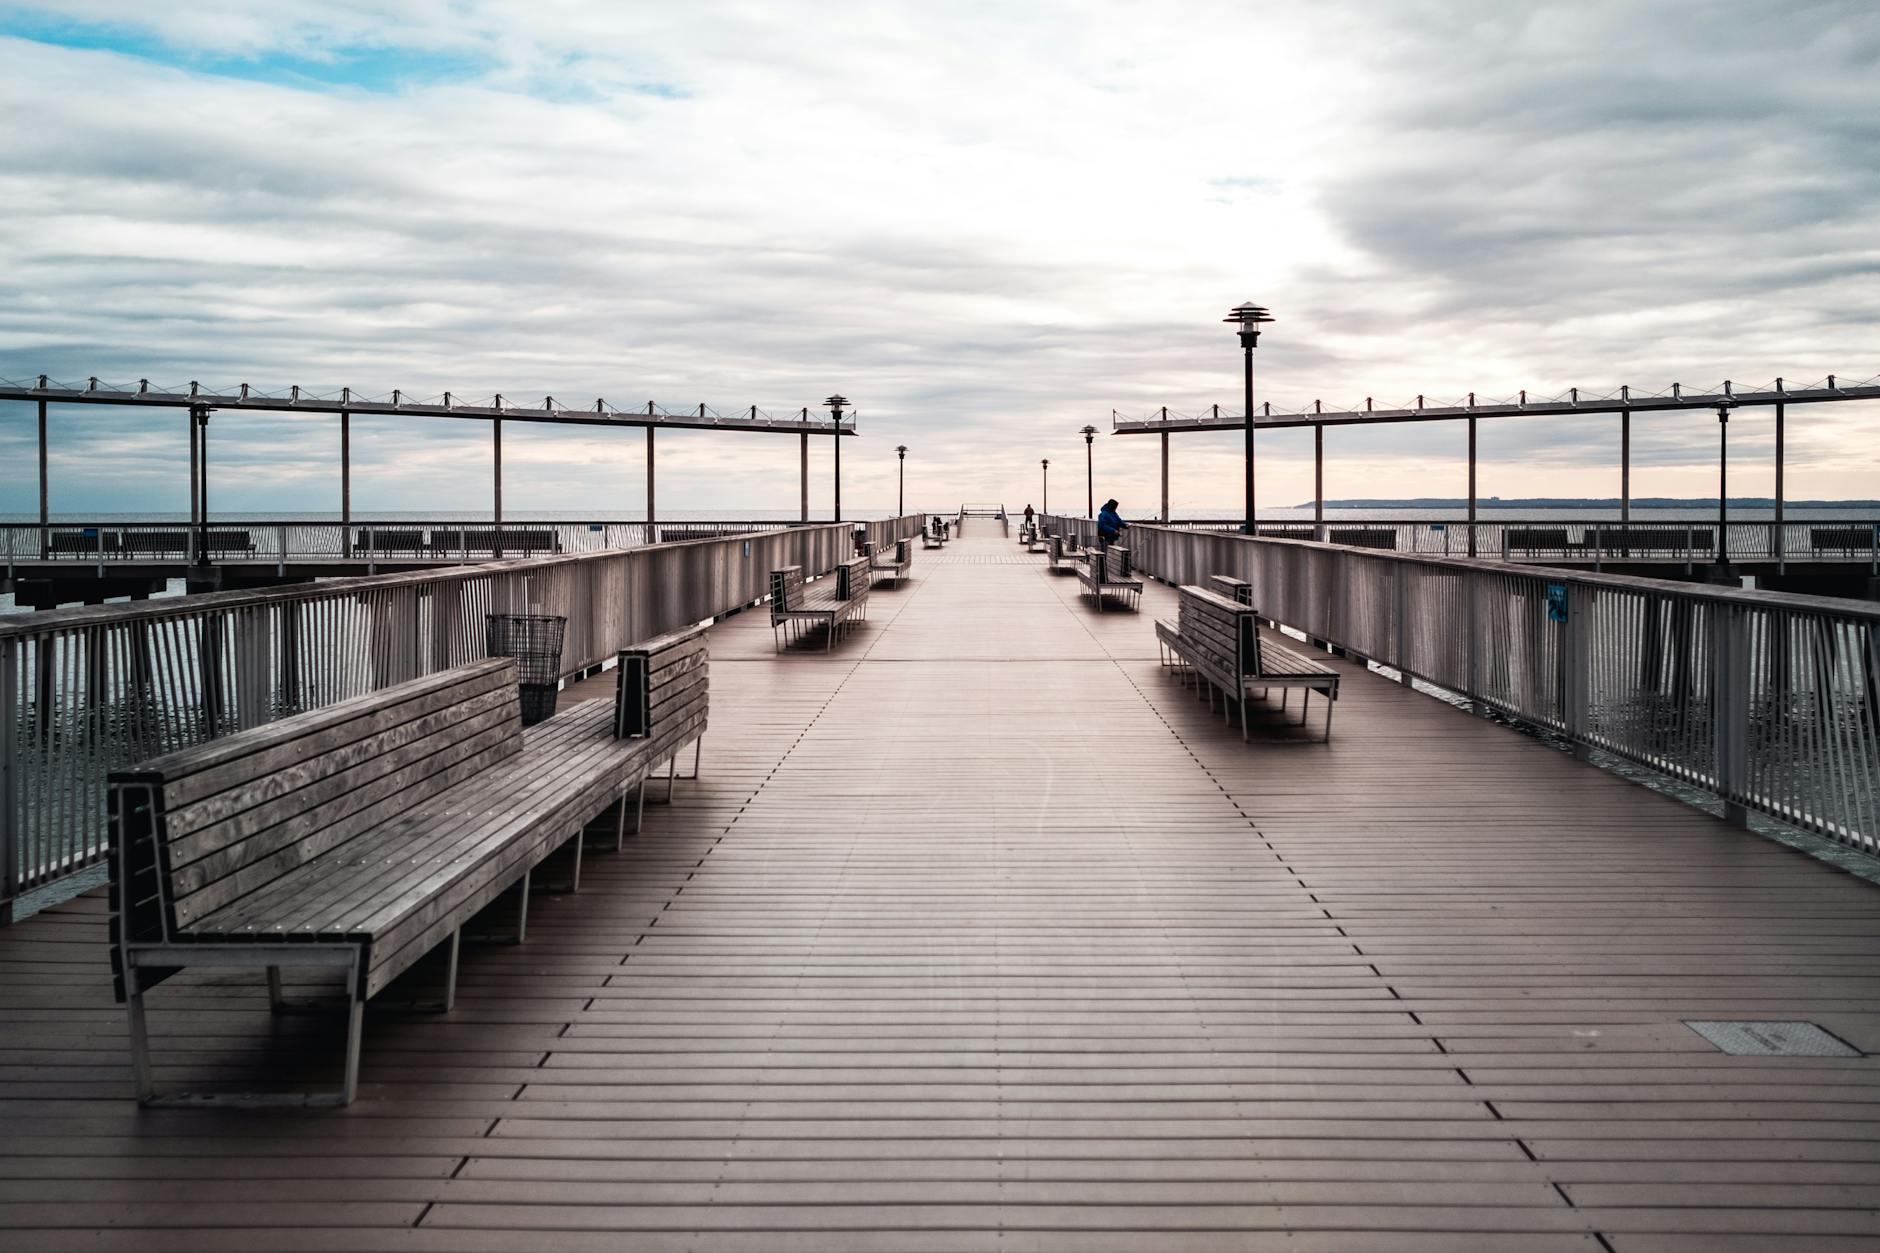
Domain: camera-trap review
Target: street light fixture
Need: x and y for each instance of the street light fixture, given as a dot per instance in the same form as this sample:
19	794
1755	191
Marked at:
1046	507
1090	476
900	490
1247	318
835	404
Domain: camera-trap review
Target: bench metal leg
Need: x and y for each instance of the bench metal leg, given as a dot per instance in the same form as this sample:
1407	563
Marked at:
620	823
140	1038
1305	699
355	1033
1331	703
698	746
672	772
522	908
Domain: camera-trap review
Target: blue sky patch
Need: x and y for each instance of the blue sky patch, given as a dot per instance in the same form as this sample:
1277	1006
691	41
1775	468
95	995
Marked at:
354	67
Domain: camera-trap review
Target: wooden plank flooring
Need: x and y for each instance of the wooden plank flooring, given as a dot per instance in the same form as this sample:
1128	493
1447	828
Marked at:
981	933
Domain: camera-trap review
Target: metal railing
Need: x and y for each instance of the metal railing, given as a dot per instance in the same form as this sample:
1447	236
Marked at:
283	542
1842	541
86	691
1771	701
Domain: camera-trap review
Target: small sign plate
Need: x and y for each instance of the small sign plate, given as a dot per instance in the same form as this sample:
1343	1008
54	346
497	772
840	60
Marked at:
1556	602
1773	1039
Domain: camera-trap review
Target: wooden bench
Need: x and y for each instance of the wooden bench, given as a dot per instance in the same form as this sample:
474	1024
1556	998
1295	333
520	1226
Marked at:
1219	640
1365	536
1842	539
388	541
1535	540
1288	532
1237	590
517	542
360	837
1106	572
830	603
892	563
1632	541
1061	555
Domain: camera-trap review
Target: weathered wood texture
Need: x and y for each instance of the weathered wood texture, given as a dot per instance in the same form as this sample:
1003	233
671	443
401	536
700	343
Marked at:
983	934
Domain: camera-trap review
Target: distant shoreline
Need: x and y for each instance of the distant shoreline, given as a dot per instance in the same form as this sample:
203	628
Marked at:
1581	502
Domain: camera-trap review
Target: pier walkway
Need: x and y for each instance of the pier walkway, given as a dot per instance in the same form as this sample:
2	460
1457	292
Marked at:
980	933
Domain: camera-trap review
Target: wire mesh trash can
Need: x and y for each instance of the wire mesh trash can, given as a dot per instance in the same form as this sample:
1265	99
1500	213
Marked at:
534	640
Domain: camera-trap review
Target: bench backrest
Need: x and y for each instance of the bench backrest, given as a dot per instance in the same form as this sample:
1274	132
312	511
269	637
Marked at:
659	680
904	552
373	537
1237	590
197	829
1366	536
1225	630
1110	566
1840	537
854	578
1530	538
786	588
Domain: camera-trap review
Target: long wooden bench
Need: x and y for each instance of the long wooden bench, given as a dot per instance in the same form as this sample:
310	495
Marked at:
515	542
1365	536
389	541
360	837
892	563
1219	641
830	603
1620	540
1106	572
1061	555
1552	540
1843	539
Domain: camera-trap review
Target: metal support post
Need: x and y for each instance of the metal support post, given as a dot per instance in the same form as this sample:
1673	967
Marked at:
496	477
1318	482
345	483
45	498
1625	466
805	450
1165	475
200	414
195	478
1729	685
652	491
1472	548
1780	540
1723	485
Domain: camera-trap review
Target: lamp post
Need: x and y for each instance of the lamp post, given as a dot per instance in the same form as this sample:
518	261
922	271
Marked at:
835	404
900	489
1090	477
1046	463
1247	318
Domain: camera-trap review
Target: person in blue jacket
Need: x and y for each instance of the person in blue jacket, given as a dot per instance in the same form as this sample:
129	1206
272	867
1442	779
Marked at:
1109	524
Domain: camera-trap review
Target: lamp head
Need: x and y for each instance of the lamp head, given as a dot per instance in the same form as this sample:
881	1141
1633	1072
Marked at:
1247	318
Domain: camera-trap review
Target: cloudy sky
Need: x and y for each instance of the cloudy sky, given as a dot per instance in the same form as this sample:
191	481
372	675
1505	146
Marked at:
988	223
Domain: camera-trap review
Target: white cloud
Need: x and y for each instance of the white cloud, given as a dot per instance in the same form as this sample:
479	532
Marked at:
988	224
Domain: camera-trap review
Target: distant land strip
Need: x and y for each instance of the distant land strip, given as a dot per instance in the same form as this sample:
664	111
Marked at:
1607	502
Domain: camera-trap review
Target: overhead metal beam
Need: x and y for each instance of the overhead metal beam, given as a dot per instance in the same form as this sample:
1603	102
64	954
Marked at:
1624	403
245	400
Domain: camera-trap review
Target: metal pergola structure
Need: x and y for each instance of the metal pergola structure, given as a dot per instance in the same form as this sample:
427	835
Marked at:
1625	402
200	402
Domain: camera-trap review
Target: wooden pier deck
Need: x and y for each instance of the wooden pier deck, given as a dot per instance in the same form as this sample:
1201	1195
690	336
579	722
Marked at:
979	933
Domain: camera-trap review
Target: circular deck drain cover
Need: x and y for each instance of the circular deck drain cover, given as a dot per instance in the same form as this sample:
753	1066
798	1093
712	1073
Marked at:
1774	1039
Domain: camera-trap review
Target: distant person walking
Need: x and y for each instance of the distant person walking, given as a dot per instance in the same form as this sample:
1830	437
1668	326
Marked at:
1110	524
1028	515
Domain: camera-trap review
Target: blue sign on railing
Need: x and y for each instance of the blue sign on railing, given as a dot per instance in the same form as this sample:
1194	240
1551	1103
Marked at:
1556	602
